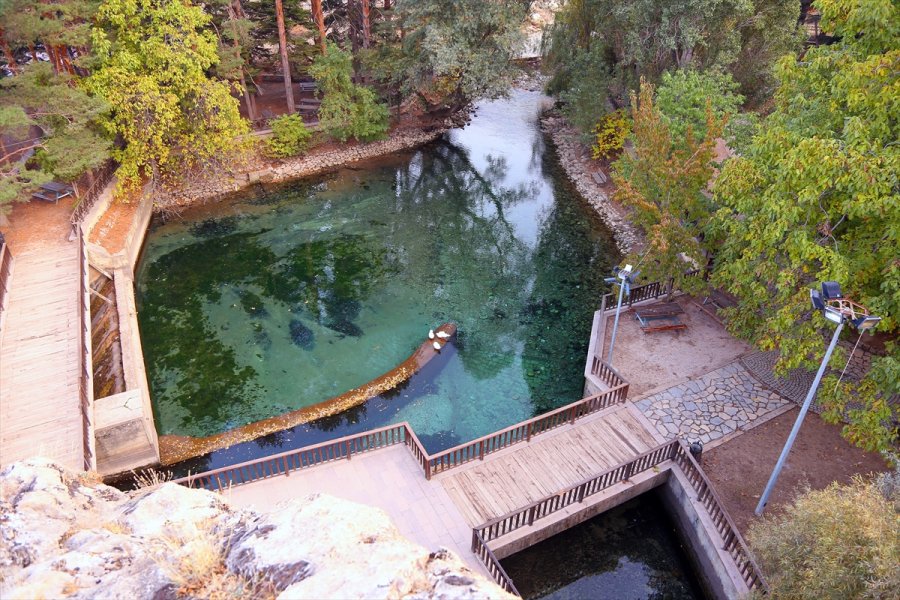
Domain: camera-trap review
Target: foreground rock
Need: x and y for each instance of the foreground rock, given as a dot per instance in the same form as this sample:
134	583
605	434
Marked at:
66	535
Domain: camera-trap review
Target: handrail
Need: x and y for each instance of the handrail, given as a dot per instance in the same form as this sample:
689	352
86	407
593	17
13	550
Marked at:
498	573
678	452
86	367
263	468
301	458
98	181
527	515
647	291
734	543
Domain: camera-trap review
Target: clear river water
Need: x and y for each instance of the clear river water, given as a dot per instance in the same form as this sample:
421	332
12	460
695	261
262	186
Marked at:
285	296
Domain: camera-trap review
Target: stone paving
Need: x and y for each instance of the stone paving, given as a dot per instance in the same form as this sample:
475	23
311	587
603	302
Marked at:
711	406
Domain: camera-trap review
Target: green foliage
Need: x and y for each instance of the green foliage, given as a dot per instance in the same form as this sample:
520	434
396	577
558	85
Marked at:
347	110
815	195
840	542
684	96
453	52
60	119
610	134
153	62
599	49
664	181
290	136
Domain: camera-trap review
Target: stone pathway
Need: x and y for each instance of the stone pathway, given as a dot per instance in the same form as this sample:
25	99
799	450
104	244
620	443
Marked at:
711	406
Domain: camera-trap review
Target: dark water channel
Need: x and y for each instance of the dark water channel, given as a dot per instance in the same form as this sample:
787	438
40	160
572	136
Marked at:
631	552
285	297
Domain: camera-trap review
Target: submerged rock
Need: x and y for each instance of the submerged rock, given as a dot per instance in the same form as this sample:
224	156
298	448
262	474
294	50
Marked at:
344	327
302	335
214	227
66	535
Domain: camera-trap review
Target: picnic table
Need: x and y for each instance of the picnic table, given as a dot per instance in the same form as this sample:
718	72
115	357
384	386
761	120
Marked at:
308	86
308	107
661	316
53	191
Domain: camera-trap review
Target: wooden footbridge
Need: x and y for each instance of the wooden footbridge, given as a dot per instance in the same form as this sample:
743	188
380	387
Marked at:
499	493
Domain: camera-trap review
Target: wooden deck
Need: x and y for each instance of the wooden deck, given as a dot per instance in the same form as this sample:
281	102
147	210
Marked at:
39	356
525	473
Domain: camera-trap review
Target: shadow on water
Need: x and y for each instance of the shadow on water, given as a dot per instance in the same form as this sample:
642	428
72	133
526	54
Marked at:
293	294
631	552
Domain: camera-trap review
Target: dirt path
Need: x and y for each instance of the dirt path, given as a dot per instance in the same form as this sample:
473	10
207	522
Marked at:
740	468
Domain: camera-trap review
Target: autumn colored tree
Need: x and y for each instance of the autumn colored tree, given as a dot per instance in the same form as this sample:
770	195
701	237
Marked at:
664	180
816	197
153	62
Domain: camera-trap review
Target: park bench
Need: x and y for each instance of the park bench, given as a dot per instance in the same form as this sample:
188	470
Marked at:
716	301
308	86
308	107
660	317
53	191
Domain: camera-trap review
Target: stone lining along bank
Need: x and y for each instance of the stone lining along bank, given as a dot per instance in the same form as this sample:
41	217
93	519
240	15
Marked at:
217	187
577	167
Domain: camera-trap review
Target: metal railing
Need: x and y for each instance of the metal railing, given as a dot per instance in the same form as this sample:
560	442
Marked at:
86	366
498	573
345	447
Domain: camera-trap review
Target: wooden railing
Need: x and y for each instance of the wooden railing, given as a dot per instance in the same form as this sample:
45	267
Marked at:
302	458
734	543
6	261
345	447
86	367
498	573
648	291
548	505
96	181
675	451
524	431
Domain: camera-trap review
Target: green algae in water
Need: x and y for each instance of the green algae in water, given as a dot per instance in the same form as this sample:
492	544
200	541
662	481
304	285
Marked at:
297	294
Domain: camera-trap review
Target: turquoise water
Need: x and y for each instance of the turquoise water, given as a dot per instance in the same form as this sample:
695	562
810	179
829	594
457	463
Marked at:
285	297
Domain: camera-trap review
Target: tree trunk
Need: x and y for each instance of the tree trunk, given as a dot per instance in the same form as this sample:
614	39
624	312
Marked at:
285	64
10	59
387	4
366	24
319	17
234	10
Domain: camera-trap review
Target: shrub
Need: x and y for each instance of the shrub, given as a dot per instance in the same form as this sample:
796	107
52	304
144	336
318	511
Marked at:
610	133
290	136
348	110
840	542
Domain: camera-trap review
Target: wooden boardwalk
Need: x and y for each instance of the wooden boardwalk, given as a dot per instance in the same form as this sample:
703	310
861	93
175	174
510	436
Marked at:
40	411
443	510
525	473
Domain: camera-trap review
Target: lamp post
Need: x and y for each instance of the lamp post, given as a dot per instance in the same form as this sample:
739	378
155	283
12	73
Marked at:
623	277
836	309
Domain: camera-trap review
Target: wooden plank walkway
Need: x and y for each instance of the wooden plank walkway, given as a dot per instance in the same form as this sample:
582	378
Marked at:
39	357
528	472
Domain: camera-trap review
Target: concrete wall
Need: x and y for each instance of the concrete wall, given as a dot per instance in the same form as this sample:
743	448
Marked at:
717	571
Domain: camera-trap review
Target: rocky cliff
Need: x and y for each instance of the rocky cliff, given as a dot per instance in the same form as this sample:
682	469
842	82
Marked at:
68	535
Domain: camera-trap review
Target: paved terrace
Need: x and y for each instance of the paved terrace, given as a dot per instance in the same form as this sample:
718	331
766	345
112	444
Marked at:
39	344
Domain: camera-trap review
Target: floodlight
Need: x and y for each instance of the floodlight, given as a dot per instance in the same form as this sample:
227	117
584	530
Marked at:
816	299
609	279
866	322
833	314
831	290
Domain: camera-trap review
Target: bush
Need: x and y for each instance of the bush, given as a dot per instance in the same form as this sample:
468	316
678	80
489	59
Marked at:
840	542
610	133
348	110
290	136
684	95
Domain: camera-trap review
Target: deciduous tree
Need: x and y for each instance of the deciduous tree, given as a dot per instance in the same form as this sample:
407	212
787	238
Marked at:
153	60
816	197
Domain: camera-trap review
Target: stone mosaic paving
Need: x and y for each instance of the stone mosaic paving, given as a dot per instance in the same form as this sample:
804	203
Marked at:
711	406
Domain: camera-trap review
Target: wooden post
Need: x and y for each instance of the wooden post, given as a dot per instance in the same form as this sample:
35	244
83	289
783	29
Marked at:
319	17
285	64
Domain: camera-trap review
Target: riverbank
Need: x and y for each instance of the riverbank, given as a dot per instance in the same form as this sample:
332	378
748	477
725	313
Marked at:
590	180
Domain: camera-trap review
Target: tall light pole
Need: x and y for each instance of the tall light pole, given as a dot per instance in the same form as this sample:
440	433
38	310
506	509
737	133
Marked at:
836	309
623	277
